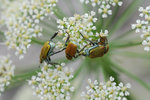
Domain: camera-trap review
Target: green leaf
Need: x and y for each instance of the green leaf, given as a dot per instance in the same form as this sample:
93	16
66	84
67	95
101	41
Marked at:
125	15
141	82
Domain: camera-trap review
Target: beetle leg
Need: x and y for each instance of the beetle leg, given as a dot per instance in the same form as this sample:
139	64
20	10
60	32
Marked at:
83	48
67	39
48	59
58	51
79	52
87	39
52	63
55	34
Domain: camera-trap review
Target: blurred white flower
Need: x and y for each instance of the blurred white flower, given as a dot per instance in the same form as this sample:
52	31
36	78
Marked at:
53	82
104	34
22	20
143	26
106	91
6	72
104	5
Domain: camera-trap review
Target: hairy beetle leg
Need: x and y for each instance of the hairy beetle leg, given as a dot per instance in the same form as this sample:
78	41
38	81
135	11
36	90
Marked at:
55	34
87	39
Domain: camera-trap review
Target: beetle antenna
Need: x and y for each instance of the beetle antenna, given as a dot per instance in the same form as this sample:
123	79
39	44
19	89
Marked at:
67	39
55	34
87	39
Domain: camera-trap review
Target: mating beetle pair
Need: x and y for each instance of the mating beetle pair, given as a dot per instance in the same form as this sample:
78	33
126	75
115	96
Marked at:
97	49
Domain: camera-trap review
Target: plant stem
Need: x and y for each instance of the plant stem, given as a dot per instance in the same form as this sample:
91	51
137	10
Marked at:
34	40
134	54
141	82
124	45
80	83
125	15
2	33
77	72
19	79
58	15
60	11
123	35
111	19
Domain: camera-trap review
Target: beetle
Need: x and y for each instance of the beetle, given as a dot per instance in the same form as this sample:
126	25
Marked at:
97	49
70	48
48	50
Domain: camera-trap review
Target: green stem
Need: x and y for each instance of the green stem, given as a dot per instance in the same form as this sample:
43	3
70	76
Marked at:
108	71
61	11
19	79
104	74
80	83
2	33
46	32
85	8
123	35
125	45
58	15
101	23
77	72
125	15
97	74
133	54
34	40
70	6
141	82
48	25
110	20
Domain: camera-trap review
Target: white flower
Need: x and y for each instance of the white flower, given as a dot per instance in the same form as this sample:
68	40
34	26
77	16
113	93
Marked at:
22	19
143	26
116	2
53	82
83	24
105	10
105	91
104	5
104	34
6	72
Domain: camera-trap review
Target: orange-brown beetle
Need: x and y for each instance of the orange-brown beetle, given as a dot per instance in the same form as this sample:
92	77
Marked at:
98	49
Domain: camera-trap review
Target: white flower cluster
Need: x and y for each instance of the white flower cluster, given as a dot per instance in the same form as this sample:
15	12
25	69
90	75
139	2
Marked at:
143	26
106	91
75	25
4	4
104	5
52	83
6	72
22	20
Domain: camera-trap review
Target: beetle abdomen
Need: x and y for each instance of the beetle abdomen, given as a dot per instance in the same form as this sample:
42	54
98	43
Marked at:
71	50
44	51
97	52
